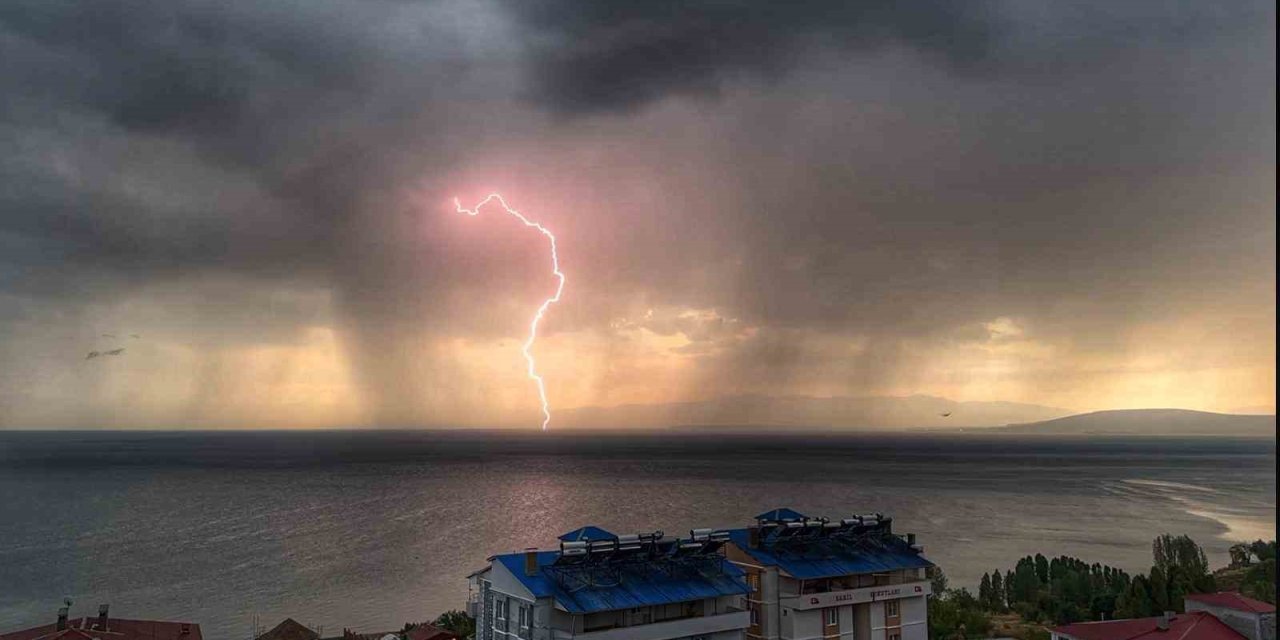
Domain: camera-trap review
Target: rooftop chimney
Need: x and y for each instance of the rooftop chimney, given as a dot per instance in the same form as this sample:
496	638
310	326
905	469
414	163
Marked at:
1162	623
753	536
62	617
531	562
102	617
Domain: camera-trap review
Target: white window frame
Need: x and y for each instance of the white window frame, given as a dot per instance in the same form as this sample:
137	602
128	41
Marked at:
892	608
831	616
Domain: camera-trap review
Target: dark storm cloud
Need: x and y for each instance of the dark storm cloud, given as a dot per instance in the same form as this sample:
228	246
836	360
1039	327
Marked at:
212	142
882	171
603	55
177	137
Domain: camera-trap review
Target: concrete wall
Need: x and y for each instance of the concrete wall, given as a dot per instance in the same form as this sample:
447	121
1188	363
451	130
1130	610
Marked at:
915	618
1254	626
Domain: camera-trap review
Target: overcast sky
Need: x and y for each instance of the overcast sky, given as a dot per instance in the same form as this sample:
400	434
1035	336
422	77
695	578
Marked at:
1068	204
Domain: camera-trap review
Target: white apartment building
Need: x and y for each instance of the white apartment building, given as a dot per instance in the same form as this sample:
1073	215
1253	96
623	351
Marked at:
819	579
601	586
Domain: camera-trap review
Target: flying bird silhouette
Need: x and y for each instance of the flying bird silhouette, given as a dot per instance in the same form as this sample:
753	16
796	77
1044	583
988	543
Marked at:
114	352
945	415
92	355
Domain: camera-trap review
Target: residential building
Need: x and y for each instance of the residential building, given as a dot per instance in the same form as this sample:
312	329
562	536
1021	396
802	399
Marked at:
1194	625
1254	619
429	632
104	627
600	586
290	629
815	578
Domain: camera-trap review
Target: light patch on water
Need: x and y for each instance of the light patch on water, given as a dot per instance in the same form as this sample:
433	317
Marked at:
1165	484
1239	526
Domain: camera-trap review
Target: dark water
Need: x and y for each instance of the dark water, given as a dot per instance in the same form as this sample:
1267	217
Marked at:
372	529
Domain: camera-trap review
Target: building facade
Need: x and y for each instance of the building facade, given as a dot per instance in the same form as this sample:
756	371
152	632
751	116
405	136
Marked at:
1254	619
601	586
819	579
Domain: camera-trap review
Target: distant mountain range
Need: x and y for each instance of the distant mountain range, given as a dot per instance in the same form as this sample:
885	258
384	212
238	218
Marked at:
845	413
1147	422
918	412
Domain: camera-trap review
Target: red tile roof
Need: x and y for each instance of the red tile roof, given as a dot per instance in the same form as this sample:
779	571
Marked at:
429	632
288	629
117	629
1197	625
1233	600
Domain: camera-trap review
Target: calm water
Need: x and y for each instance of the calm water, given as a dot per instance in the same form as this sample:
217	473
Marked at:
372	529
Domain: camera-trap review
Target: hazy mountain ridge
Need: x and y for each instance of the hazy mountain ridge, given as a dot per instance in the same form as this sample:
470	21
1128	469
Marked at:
1162	422
872	412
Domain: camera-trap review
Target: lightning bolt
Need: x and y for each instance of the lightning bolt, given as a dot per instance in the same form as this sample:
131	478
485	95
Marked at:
542	310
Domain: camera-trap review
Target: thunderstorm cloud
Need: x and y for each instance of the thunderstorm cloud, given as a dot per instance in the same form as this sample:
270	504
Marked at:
1062	204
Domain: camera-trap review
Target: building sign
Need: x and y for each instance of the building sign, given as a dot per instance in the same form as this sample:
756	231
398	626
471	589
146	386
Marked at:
855	596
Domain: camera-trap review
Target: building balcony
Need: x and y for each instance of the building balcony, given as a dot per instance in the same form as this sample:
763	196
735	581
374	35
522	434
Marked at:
855	596
666	629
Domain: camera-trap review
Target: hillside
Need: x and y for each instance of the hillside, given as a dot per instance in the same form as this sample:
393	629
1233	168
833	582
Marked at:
853	413
1153	422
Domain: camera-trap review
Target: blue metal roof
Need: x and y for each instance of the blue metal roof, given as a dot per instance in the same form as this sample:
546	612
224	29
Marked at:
587	533
642	584
819	560
782	514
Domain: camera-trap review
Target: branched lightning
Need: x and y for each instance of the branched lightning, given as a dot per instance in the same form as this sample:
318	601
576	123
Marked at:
542	310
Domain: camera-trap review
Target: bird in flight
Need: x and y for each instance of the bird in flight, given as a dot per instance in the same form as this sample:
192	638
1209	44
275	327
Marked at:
92	355
114	352
945	415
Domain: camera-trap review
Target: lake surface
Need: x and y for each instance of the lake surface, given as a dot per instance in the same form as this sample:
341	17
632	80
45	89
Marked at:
369	530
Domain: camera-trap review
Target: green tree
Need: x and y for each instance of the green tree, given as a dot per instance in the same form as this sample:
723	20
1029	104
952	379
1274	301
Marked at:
1241	555
937	581
1025	582
1263	550
1181	552
997	592
1042	568
956	615
1260	580
457	622
984	591
1136	600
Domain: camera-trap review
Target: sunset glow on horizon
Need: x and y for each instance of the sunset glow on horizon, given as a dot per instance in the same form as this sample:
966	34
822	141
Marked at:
1071	207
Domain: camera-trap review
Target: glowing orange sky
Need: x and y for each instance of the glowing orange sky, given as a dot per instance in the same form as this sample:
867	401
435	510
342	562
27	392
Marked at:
1067	205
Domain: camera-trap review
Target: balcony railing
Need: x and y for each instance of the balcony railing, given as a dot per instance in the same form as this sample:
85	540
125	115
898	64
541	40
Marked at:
666	629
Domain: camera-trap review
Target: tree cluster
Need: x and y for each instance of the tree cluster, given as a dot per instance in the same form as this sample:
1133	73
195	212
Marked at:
1179	568
954	614
453	621
1062	590
1258	558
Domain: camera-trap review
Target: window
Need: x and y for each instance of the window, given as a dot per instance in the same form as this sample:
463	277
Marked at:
755	616
524	617
891	608
753	581
831	616
895	636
